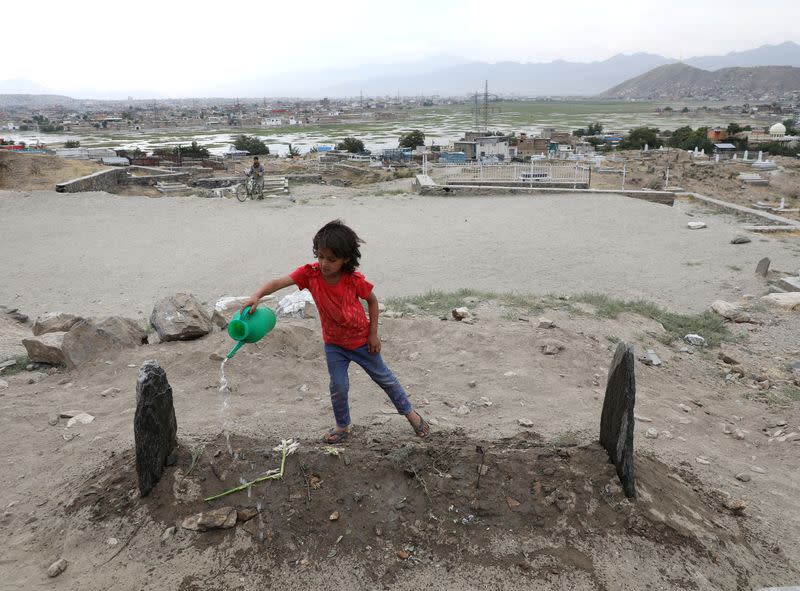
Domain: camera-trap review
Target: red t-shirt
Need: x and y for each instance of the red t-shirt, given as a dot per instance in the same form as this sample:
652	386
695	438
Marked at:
344	322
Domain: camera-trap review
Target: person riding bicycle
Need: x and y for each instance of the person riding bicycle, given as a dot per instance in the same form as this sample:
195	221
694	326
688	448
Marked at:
256	171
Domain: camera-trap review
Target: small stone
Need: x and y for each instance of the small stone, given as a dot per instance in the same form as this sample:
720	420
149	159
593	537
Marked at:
551	347
546	323
216	357
650	358
651	433
740	240
642	419
525	422
110	391
58	567
696	225
736	506
3	385
52	420
512	502
246	514
462	410
738	434
334	516
472	383
403	555
82	419
701	460
666	434
695	339
685	408
461	313
112	541
727	359
743	476
304	388
168	533
758	470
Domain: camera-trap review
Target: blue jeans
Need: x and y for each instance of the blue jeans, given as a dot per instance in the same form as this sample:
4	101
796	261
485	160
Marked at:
339	360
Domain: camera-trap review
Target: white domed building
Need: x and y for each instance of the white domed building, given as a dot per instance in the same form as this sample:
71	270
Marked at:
777	131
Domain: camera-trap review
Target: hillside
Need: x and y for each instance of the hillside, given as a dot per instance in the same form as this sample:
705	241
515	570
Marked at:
681	81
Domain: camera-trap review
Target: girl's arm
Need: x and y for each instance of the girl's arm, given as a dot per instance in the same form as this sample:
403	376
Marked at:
269	287
374	341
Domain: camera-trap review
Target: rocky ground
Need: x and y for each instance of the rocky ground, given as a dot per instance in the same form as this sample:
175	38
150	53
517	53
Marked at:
716	453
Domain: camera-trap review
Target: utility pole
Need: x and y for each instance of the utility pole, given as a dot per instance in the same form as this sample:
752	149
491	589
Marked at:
486	107
476	111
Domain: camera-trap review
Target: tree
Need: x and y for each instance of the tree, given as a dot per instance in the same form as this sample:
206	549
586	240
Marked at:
351	144
250	143
72	144
412	139
639	137
193	151
594	128
686	138
791	129
734	128
294	151
580	132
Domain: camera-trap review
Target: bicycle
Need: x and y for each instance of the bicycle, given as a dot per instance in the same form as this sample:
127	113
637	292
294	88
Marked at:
248	189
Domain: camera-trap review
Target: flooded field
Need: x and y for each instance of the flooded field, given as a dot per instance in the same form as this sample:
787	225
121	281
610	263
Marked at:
441	125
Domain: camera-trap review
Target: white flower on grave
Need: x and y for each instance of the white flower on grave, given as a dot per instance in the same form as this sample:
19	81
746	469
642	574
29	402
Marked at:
287	446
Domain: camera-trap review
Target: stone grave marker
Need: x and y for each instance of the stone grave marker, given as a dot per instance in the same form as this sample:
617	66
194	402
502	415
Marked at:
617	421
154	425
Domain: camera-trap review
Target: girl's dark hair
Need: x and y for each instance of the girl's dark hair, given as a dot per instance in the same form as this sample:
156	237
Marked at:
342	241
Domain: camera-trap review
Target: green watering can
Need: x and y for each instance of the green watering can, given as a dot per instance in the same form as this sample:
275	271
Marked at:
249	328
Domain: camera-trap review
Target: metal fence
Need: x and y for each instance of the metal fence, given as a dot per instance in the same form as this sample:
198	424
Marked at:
535	173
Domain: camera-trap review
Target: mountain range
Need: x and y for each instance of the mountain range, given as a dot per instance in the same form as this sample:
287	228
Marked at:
453	76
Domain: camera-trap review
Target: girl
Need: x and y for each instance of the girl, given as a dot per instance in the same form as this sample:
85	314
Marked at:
348	334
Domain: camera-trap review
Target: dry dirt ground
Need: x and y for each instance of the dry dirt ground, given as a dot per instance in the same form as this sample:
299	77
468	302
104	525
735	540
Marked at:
548	512
25	172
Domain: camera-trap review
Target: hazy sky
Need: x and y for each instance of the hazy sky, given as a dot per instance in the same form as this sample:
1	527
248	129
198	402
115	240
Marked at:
176	47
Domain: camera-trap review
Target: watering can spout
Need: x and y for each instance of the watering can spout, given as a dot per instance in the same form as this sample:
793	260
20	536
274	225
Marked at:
236	347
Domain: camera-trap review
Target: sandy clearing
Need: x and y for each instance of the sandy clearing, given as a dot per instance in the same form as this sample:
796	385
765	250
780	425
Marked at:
96	253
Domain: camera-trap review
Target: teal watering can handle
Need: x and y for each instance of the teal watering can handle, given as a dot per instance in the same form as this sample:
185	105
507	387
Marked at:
245	311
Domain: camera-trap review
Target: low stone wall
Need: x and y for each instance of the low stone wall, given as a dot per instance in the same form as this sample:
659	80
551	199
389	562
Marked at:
152	179
424	185
304	178
105	180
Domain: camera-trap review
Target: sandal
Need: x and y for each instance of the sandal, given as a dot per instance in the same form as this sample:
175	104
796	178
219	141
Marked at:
422	429
335	436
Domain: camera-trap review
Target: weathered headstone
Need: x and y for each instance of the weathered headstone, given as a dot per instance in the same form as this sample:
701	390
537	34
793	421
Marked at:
154	425
617	420
762	268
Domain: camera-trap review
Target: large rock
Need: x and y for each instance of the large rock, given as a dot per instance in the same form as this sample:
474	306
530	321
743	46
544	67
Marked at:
180	318
154	425
47	348
729	311
617	420
789	300
91	337
54	322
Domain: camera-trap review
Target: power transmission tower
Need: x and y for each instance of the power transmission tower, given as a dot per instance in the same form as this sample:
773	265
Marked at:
486	106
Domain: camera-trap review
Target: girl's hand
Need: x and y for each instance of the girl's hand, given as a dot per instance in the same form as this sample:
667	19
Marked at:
252	302
374	344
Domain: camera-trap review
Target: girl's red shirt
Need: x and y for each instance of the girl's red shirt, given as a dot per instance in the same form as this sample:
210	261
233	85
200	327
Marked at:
344	322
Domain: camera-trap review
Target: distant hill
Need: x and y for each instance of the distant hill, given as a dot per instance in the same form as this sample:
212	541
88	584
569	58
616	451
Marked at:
785	54
681	82
36	101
